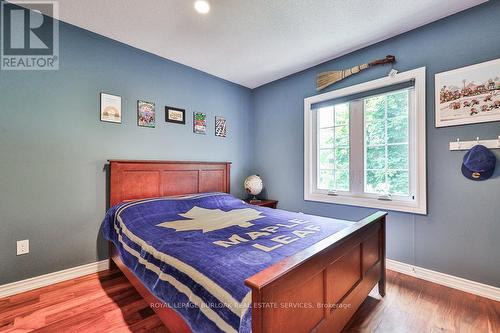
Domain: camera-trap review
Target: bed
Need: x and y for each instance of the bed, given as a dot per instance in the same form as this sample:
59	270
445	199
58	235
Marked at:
208	262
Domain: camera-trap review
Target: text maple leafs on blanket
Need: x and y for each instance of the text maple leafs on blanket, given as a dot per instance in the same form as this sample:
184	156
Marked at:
213	219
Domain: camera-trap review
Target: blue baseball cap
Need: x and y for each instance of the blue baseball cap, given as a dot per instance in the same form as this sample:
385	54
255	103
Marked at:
479	163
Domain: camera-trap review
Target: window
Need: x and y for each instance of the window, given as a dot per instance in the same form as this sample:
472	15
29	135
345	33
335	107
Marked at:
333	123
365	144
386	152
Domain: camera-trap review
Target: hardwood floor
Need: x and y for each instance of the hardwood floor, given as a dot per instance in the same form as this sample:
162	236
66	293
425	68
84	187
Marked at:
103	302
106	302
414	305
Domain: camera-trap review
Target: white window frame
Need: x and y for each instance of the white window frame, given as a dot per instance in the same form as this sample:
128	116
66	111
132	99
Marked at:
417	203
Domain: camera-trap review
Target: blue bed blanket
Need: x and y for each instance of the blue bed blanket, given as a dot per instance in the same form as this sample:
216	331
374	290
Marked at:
195	252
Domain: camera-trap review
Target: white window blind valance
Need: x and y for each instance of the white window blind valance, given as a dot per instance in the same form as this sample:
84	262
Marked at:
352	97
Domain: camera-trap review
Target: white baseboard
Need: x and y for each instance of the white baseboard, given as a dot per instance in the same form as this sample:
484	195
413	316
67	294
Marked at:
451	281
415	271
51	278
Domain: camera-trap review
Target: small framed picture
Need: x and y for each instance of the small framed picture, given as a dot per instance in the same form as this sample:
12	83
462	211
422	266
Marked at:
111	108
146	114
175	115
199	123
220	127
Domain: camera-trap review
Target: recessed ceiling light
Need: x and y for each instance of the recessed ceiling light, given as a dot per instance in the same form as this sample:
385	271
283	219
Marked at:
202	6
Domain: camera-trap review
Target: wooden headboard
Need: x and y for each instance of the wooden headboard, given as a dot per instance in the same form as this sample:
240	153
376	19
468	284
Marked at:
132	180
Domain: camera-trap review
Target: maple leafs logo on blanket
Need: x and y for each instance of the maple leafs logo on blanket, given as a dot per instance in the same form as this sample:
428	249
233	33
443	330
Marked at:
213	219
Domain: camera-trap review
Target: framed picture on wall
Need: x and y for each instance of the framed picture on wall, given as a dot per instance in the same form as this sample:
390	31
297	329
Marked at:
220	127
199	123
111	108
146	114
175	115
468	95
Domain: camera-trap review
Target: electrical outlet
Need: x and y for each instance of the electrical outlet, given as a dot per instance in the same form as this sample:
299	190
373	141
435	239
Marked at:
23	247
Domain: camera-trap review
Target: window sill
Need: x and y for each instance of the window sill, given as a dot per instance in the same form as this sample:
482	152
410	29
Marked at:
398	206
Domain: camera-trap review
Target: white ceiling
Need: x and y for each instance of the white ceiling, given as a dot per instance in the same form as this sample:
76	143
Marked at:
252	42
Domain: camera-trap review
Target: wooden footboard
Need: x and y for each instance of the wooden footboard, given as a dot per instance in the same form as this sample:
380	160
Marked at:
321	288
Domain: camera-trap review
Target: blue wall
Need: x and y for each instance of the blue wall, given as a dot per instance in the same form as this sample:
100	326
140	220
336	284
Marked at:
53	146
461	233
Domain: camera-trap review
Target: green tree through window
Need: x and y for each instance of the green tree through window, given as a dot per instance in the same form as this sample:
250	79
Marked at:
386	143
386	146
333	152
